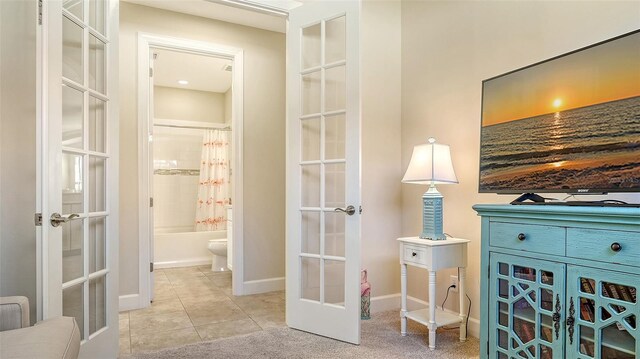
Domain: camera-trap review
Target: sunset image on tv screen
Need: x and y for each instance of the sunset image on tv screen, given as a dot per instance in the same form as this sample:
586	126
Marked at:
567	124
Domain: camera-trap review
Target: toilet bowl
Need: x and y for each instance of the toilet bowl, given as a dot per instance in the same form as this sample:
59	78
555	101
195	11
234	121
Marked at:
218	247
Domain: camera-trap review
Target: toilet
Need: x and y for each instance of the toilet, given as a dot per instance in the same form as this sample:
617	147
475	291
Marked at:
219	249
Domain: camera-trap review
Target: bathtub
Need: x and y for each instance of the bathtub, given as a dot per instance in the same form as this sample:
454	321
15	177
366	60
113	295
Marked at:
179	247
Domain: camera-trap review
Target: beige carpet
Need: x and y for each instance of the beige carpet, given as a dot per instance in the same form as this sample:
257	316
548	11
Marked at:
380	339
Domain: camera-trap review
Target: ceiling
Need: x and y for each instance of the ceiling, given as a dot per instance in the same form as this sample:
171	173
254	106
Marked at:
233	11
204	73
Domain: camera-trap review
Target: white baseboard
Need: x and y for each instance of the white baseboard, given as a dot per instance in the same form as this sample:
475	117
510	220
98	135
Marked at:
183	263
383	303
392	301
128	302
263	285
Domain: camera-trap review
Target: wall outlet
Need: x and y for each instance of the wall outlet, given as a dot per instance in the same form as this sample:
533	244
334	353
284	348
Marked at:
453	280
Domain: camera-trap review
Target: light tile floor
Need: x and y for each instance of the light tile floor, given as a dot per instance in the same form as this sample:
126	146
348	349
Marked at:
194	304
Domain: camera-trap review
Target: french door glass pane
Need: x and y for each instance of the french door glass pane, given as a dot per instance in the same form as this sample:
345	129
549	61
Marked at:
75	7
72	250
97	243
97	116
335	40
96	184
72	64
311	55
310	139
334	228
310	232
72	186
310	278
97	304
73	305
72	114
310	96
334	282
335	89
334	185
335	136
96	15
311	186
96	64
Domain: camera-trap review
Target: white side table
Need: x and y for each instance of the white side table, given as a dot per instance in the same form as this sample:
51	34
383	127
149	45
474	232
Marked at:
432	256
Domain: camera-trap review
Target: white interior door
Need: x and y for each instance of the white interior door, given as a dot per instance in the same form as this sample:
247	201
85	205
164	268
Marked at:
323	169
79	169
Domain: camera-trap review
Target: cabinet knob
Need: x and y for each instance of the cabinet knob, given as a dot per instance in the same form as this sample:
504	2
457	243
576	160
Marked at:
413	254
616	247
522	236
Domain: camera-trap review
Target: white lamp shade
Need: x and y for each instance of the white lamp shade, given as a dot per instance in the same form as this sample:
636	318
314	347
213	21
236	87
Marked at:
430	163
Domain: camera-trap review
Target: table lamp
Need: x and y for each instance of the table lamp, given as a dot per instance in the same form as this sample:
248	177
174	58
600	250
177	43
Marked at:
431	164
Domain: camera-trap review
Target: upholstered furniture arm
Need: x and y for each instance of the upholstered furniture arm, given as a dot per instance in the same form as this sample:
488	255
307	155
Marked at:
14	313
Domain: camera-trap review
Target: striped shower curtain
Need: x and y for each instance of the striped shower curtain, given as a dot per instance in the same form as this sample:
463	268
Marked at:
213	185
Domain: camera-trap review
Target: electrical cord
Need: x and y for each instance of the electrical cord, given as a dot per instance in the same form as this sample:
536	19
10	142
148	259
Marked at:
468	309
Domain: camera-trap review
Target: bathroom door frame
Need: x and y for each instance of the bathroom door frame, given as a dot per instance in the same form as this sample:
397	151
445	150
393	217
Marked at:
146	42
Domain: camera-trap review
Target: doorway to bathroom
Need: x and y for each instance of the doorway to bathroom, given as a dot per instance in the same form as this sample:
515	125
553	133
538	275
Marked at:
191	122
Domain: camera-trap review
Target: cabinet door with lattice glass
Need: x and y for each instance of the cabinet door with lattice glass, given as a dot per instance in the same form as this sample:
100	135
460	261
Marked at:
602	314
526	308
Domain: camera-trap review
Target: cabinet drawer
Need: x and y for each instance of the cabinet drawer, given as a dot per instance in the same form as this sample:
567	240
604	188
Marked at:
528	237
596	245
414	254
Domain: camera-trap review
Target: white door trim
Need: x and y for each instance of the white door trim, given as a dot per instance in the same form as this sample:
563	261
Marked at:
145	43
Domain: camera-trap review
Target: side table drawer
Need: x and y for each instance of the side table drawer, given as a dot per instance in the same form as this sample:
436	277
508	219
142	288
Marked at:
528	237
414	254
596	245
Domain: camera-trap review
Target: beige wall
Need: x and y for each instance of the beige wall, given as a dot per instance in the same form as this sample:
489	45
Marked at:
227	106
381	165
448	48
18	151
188	105
264	134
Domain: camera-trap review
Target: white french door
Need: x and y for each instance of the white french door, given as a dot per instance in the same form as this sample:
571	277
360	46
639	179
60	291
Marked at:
323	170
79	169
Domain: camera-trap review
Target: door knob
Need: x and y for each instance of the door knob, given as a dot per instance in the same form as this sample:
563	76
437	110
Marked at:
350	210
57	219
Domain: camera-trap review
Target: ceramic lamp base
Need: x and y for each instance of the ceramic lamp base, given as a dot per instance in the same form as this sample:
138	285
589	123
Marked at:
432	215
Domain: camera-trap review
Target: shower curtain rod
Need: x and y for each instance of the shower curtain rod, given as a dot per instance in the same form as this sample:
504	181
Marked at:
195	127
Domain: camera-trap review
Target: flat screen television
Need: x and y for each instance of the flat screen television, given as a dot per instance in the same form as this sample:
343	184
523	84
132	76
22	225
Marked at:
570	124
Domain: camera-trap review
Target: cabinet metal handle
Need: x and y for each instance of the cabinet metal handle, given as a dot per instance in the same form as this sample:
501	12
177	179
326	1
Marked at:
350	210
556	317
616	247
57	219
522	236
571	320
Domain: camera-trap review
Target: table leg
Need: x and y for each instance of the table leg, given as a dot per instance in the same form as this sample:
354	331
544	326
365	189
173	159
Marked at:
432	310
462	271
403	296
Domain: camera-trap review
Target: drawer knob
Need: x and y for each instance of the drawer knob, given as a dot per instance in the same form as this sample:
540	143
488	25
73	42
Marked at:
522	236
413	254
616	247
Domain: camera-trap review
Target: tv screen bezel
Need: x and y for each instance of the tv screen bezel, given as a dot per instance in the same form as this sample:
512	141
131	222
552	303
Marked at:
543	190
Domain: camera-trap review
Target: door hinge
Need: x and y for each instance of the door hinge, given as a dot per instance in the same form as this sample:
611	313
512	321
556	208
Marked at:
150	71
38	219
150	201
487	348
151	267
489	271
40	12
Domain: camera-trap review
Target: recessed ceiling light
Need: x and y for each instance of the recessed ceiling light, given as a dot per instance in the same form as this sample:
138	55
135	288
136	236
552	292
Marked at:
183	82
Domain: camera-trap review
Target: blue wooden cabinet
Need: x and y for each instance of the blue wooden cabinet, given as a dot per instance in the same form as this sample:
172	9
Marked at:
560	282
